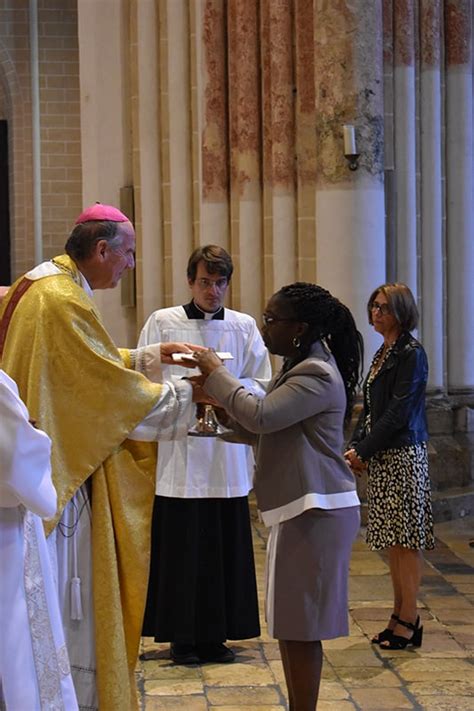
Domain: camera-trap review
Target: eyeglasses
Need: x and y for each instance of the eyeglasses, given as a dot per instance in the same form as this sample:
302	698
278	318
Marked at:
209	283
383	309
268	320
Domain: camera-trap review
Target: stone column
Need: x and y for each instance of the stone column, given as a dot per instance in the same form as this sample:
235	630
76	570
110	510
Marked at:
305	122
146	155
245	142
432	277
405	142
211	125
459	194
279	231
350	214
175	124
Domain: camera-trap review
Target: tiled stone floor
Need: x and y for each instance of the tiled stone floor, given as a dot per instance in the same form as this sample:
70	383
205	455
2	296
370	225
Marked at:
357	675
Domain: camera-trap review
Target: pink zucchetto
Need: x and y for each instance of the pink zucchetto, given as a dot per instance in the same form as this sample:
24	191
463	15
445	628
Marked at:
101	212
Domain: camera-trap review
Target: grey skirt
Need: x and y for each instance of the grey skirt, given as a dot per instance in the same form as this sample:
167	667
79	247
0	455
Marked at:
307	574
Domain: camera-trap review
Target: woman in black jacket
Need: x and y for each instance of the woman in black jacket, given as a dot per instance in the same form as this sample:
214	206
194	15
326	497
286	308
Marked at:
390	441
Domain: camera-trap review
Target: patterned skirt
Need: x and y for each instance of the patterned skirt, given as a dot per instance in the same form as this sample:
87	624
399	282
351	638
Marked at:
399	499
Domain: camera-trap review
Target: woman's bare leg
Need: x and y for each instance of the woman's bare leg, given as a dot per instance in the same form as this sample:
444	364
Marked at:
304	663
286	668
396	584
409	565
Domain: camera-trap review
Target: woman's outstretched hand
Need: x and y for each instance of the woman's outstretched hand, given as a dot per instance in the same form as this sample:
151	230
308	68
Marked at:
207	361
199	394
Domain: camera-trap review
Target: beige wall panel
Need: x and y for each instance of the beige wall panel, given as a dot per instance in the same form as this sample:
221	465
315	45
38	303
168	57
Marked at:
105	127
214	224
284	240
250	258
150	255
179	127
212	124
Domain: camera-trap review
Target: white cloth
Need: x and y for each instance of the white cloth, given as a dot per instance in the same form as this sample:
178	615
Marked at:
34	665
194	467
171	417
69	546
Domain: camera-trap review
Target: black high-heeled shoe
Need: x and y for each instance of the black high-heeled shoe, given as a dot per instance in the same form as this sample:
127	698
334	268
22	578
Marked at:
384	634
399	642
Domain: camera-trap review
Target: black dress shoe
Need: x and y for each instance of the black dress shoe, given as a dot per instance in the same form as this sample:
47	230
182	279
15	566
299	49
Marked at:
215	652
184	654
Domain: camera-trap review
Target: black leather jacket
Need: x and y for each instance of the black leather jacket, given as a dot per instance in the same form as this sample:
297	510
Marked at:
397	401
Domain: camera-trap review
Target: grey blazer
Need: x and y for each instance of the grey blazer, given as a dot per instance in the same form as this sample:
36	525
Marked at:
299	423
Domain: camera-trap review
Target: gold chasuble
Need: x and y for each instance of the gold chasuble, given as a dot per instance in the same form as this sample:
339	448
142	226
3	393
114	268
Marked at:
77	388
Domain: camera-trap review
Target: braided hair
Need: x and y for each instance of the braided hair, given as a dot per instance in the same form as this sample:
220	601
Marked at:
328	319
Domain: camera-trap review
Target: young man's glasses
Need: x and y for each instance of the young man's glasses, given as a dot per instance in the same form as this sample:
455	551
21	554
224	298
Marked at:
209	283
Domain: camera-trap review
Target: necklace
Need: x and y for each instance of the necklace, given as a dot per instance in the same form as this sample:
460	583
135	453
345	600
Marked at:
380	360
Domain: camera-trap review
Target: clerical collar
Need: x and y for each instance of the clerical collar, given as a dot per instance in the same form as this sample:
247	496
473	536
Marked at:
193	311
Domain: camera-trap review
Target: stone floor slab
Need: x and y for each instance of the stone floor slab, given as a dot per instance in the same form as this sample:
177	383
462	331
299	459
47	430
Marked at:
378	699
440	642
369	587
182	687
271	650
171	703
171	672
432	669
449	602
354	678
442	703
352	642
237	675
244	695
442	688
361	656
455	617
331	690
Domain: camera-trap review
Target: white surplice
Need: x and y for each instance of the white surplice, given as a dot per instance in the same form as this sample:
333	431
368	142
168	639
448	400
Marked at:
206	467
34	665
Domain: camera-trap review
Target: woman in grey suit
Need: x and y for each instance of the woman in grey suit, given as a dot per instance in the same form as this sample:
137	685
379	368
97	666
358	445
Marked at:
305	490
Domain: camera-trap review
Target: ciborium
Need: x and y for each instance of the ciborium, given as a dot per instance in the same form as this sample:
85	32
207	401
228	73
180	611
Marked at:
207	424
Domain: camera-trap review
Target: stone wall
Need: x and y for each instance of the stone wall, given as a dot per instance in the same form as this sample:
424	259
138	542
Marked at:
61	172
451	456
60	123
